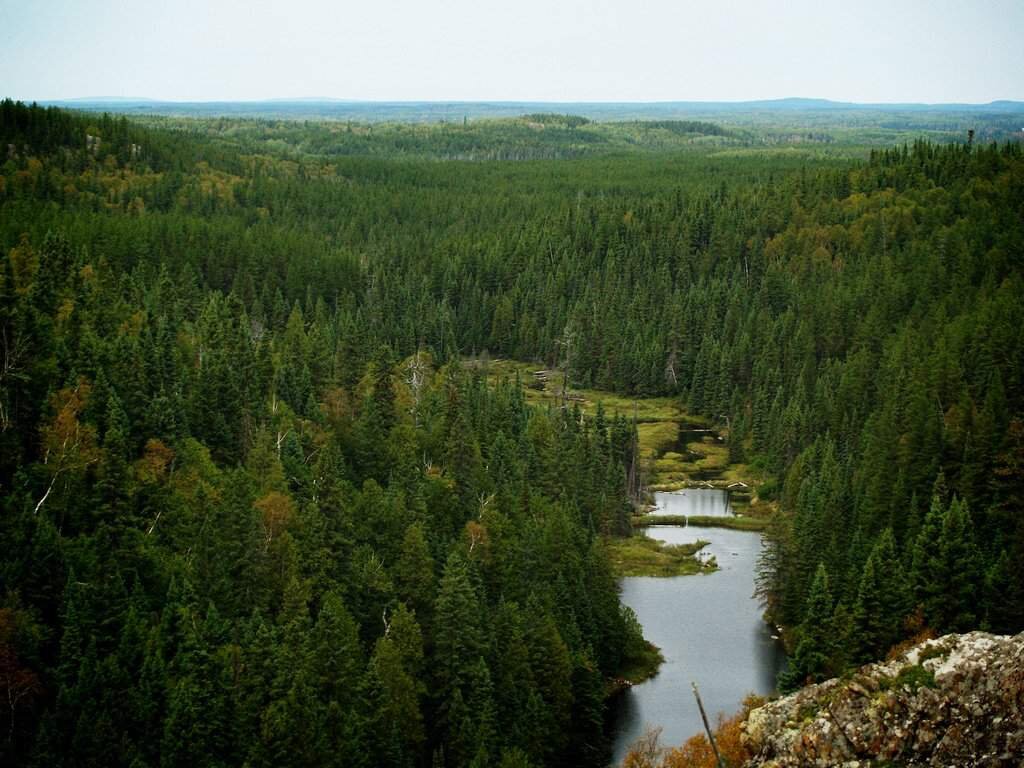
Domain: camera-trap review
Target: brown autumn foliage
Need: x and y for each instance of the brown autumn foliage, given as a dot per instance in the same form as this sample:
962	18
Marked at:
24	262
156	458
1009	469
66	441
646	752
338	408
19	685
69	446
917	632
276	510
478	540
697	752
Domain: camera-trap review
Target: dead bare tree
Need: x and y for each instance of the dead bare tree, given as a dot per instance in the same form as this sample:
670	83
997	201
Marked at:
707	727
15	347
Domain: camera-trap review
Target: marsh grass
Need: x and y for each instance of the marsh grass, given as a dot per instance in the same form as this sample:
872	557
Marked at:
644	521
736	523
667	466
646	409
641	556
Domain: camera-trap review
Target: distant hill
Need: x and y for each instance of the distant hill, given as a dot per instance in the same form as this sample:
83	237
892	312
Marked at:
827	104
438	111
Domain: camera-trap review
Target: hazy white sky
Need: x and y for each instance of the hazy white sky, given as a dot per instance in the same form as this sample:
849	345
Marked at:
549	50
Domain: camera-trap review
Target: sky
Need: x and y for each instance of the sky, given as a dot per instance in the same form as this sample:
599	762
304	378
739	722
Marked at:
516	50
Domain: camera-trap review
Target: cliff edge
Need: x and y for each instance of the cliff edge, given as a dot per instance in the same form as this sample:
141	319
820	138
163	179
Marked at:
957	700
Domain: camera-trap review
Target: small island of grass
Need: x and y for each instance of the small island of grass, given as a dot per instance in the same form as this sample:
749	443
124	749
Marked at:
735	522
641	556
646	521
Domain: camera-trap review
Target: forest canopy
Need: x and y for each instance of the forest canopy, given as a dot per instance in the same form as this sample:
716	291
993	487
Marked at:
256	510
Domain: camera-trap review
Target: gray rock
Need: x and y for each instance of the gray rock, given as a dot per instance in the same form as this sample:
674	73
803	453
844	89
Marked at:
954	701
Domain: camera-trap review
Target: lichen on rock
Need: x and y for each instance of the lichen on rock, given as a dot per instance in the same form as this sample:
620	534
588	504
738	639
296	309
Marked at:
957	700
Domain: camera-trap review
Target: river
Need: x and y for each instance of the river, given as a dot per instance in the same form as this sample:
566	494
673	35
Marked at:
709	629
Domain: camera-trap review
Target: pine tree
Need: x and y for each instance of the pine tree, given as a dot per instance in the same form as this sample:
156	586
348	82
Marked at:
393	691
414	573
927	572
458	637
882	600
811	662
961	572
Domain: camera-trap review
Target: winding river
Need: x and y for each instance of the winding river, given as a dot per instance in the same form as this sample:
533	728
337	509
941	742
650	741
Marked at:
709	629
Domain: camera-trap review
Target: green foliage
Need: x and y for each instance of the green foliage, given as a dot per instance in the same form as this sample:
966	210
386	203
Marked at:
882	601
947	568
812	661
912	676
242	464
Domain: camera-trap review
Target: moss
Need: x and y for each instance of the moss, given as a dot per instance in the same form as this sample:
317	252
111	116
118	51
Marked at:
808	711
912	676
670	463
935	651
915	676
538	390
675	483
646	409
709	456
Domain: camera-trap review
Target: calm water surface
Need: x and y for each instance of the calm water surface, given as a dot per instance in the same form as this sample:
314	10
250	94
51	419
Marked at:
708	627
693	501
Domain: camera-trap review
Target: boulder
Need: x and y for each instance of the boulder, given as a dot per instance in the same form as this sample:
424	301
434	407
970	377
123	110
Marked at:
957	700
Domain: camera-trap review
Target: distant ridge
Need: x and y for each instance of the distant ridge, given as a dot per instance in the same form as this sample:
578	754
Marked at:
104	100
789	102
438	111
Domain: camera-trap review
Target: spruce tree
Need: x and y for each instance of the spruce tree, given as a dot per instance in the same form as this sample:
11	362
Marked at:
810	662
961	575
882	601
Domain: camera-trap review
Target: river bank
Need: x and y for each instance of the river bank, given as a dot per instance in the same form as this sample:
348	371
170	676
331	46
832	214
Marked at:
710	629
677	449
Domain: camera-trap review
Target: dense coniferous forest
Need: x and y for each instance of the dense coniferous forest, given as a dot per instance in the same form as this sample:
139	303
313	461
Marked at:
257	511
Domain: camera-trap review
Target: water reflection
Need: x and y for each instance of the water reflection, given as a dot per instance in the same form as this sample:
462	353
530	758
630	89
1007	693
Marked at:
709	628
693	501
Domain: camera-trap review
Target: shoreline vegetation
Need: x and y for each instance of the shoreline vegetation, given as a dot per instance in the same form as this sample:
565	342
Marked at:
736	523
677	451
642	556
638	669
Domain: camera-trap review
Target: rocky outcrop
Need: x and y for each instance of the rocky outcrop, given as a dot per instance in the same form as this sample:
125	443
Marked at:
957	700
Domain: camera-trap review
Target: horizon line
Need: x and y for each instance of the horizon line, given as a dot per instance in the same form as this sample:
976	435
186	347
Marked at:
342	100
